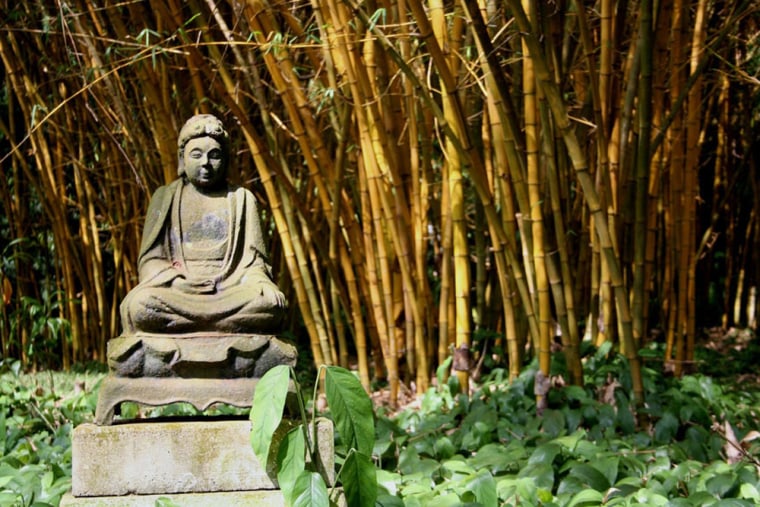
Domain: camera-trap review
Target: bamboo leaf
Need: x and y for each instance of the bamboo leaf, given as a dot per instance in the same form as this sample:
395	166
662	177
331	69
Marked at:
266	411
351	409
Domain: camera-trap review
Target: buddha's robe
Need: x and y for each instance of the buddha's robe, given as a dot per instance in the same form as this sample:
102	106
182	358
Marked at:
234	289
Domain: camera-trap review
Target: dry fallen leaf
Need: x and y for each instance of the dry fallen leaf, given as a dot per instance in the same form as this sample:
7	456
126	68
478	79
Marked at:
732	448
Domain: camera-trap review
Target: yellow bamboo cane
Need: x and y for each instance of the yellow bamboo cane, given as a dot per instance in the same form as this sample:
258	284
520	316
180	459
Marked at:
693	131
559	112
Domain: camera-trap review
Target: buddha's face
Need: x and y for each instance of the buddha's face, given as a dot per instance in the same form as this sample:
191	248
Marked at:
204	163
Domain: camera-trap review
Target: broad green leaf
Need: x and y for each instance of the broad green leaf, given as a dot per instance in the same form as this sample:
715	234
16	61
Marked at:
359	480
351	409
411	501
542	475
444	449
389	501
447	500
586	497
570	441
749	492
266	411
607	416
666	428
733	502
310	490
573	417
589	476
553	422
416	486
603	350
483	486
695	442
477	435
511	487
388	481
291	460
721	484
458	466
648	497
586	449
442	371
659	465
702	498
608	466
682	502
576	393
47	479
409	462
455	471
571	486
544	454
387	434
497	459
625	418
747	474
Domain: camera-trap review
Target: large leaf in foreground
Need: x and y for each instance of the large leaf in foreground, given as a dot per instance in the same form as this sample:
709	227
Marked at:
351	409
359	479
291	460
310	490
266	412
483	487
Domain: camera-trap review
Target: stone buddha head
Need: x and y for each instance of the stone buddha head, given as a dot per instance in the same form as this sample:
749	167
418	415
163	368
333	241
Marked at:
203	151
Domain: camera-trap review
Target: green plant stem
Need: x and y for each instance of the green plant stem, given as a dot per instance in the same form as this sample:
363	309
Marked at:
310	445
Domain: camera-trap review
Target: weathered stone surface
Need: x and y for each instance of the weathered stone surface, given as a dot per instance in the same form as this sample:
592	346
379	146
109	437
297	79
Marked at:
206	306
201	369
160	458
198	355
201	393
271	498
202	263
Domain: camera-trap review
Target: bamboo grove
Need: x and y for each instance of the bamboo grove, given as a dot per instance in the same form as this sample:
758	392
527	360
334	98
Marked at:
476	178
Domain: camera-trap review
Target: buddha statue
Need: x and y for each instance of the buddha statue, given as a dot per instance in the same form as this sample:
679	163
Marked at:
201	324
202	264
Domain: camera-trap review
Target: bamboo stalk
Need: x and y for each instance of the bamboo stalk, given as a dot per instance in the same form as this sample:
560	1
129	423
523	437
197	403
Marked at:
678	172
453	174
643	158
561	119
693	131
536	257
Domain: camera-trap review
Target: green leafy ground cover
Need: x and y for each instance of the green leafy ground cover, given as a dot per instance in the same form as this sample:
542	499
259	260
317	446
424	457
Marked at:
587	449
692	444
37	414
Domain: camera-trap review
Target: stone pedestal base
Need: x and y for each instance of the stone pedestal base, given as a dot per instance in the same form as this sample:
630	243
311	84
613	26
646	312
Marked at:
273	498
200	392
197	368
126	464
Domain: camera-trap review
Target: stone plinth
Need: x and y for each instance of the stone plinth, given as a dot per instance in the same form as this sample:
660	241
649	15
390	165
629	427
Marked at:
270	498
164	458
197	368
198	355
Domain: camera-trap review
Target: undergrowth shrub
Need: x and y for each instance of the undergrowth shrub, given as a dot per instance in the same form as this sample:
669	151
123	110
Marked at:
37	414
590	447
695	441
